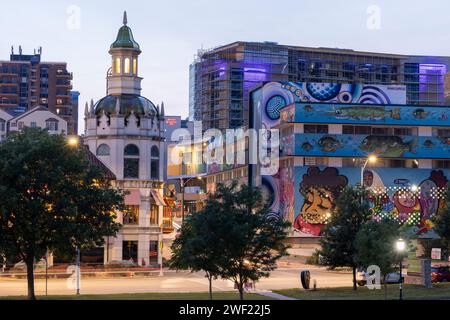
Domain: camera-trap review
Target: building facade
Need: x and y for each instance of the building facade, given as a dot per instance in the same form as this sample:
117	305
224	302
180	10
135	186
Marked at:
125	131
26	82
324	144
221	78
37	117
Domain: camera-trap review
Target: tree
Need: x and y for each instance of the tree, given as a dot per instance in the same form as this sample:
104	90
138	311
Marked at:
51	198
198	246
375	245
441	223
352	211
252	242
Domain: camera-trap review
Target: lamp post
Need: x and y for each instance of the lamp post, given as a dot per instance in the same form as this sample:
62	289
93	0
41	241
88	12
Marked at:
400	244
372	159
182	183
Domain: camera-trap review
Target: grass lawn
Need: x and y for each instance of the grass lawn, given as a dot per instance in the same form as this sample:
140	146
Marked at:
149	296
413	292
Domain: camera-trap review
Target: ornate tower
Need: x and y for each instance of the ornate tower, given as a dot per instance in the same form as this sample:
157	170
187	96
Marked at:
123	76
124	130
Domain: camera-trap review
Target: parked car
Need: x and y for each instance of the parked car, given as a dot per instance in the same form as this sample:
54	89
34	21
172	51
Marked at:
440	273
362	276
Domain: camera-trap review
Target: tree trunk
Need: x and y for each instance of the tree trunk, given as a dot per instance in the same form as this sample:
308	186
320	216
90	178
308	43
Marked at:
210	286
29	261
385	287
354	278
241	291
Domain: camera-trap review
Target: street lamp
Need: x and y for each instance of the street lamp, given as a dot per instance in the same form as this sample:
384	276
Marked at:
182	183
401	245
72	141
370	159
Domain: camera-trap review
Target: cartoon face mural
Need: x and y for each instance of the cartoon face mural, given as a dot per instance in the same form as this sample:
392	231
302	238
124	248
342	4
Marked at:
319	189
407	196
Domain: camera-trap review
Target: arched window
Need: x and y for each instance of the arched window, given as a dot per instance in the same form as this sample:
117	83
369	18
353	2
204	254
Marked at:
131	161
127	65
51	124
154	163
103	150
118	66
135	66
131	150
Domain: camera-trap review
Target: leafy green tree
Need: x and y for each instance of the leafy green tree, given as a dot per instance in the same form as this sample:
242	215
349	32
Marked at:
252	242
198	246
51	198
352	211
375	245
441	223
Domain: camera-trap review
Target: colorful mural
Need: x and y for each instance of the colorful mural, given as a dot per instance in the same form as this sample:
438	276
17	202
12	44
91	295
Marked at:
275	96
407	196
366	114
389	146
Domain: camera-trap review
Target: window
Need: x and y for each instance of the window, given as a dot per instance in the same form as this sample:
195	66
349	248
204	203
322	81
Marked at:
441	132
127	65
380	131
153	214
131	150
118	67
351	162
2	125
135	66
397	163
441	164
103	150
20	124
356	129
131	161
130	250
33	124
153	254
313	128
50	124
154	163
131	215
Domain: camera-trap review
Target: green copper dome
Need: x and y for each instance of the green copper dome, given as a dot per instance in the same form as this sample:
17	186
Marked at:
127	103
125	37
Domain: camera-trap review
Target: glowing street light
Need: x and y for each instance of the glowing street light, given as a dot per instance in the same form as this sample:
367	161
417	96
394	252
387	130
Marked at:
400	246
72	141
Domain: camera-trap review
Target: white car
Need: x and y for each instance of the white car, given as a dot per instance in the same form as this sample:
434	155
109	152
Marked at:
361	278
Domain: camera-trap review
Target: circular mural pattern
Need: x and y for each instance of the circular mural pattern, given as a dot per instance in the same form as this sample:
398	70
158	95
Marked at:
323	91
273	106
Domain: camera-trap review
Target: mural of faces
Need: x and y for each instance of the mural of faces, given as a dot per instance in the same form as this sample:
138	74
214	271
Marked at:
319	189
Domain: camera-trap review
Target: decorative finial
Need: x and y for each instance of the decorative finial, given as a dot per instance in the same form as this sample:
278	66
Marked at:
86	109
125	20
162	109
92	106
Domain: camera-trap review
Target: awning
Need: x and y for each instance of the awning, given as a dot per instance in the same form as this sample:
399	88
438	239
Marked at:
158	199
133	198
170	202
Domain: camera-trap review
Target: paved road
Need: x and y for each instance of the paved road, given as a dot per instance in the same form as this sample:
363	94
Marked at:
174	282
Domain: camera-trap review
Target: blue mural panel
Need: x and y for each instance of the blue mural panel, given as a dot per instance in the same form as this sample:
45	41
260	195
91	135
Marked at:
368	114
349	145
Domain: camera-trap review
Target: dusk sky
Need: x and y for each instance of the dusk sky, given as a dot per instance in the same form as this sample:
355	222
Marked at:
171	32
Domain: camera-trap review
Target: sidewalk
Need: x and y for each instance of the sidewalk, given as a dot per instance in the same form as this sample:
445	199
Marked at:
270	294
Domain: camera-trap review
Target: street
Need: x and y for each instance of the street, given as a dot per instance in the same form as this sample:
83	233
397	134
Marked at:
283	278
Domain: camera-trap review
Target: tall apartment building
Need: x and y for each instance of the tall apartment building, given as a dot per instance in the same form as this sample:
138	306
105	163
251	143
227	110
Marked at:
221	78
26	82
